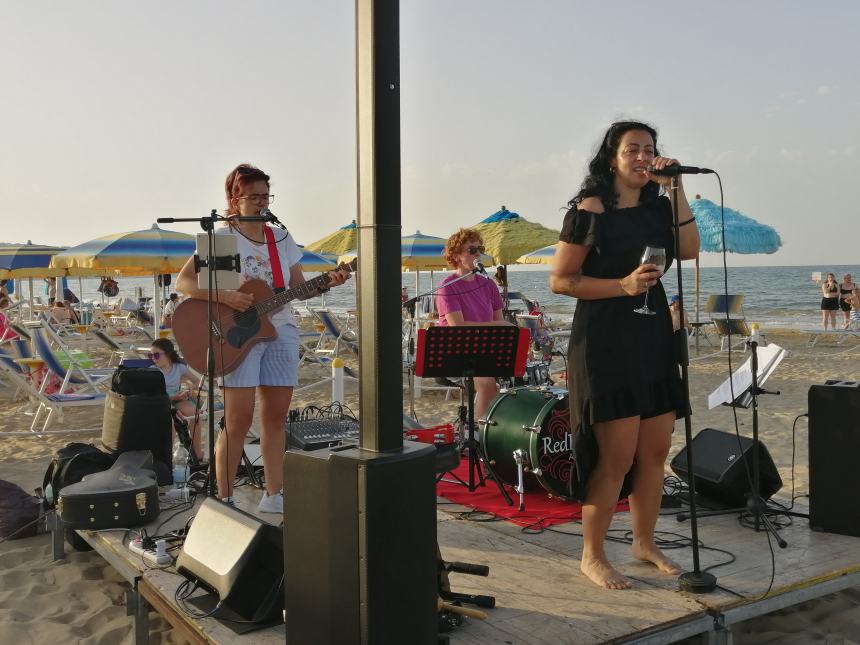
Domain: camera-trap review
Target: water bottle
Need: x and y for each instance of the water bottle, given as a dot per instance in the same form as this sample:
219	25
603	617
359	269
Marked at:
180	465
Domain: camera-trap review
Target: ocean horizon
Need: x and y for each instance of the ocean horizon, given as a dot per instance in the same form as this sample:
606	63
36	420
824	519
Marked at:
779	296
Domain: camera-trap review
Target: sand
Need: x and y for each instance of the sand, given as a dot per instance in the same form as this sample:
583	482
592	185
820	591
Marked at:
81	599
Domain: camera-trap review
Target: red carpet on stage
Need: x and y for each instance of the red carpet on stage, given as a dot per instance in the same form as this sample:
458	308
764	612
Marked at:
540	509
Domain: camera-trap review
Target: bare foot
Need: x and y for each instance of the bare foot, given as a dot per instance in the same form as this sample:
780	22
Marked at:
603	574
650	553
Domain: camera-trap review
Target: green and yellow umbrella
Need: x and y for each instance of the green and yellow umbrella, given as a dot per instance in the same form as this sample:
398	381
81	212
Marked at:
508	236
541	256
341	241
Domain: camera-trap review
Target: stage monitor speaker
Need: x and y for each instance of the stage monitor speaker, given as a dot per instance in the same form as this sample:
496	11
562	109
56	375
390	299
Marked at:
720	473
834	447
238	557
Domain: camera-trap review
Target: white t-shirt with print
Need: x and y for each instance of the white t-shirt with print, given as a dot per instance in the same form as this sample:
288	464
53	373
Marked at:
256	265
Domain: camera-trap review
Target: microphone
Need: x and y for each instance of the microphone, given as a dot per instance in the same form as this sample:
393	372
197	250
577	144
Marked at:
479	268
267	215
673	171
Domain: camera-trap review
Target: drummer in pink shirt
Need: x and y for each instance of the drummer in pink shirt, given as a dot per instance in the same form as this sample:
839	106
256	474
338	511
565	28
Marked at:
474	300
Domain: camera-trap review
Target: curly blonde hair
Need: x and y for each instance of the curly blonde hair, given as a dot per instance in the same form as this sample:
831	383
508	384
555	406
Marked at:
456	242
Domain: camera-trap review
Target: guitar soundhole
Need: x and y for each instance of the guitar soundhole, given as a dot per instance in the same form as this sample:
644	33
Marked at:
245	318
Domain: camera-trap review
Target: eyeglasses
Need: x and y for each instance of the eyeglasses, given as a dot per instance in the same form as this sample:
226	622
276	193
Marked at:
154	355
474	250
258	198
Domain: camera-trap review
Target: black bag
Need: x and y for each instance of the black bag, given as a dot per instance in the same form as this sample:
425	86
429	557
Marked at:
138	380
69	466
108	287
138	422
19	512
124	495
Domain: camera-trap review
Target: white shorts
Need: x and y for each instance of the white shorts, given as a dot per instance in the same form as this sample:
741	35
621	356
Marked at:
274	362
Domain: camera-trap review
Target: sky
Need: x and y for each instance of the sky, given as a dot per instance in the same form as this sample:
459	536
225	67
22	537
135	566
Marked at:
116	113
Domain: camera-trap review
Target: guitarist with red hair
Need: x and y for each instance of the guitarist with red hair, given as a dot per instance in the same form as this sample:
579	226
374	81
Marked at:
270	368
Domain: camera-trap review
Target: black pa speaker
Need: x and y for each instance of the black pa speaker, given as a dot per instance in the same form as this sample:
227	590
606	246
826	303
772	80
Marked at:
834	446
238	557
139	422
718	460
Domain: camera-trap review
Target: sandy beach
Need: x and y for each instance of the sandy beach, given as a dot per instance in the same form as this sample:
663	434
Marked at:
81	599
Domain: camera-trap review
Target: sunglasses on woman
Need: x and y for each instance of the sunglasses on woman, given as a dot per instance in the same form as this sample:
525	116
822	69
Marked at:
154	355
474	250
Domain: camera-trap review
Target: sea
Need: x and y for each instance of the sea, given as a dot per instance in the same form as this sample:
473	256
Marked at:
782	296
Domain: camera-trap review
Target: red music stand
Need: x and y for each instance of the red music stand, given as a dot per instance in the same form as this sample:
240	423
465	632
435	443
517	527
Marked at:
467	352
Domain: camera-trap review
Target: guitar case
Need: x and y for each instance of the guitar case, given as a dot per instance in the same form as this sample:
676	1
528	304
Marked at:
124	495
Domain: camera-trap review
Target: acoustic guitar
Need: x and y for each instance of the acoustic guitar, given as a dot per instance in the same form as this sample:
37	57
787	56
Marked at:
234	332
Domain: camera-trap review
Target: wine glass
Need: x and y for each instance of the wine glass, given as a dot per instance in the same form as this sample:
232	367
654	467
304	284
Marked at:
652	255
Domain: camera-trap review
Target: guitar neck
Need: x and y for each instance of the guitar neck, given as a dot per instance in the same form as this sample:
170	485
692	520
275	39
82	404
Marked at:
303	291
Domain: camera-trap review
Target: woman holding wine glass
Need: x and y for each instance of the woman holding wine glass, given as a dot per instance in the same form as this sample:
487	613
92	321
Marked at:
623	376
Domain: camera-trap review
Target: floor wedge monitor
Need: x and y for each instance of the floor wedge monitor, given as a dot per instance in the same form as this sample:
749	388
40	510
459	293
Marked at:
834	449
238	557
721	461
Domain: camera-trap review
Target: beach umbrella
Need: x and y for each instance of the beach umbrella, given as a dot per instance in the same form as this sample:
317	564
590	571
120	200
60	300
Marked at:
30	261
342	240
541	256
508	236
317	262
742	234
152	251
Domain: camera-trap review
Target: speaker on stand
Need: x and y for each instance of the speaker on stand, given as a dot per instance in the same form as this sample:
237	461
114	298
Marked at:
834	447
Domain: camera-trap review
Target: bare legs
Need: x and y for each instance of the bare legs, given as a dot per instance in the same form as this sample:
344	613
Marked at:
239	404
485	392
620	442
828	316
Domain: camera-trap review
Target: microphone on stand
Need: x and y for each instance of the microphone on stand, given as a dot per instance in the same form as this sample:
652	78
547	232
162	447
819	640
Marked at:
269	216
672	171
479	268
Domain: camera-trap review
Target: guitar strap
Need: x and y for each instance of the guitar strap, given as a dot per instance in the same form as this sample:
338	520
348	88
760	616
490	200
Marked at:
275	260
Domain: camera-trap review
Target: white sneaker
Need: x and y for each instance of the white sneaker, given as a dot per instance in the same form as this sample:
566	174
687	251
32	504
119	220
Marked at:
271	503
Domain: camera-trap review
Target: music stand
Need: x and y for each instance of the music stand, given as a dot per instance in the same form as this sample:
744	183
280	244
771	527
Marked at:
467	352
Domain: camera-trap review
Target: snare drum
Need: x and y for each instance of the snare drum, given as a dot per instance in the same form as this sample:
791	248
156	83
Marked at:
536	421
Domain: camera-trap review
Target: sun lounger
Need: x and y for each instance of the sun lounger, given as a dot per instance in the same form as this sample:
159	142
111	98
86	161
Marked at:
840	334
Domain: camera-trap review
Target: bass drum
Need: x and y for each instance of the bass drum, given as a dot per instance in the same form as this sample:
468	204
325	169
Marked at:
536	421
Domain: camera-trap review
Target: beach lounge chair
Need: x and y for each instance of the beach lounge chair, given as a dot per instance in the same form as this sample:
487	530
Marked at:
87	380
118	351
334	335
727	315
51	405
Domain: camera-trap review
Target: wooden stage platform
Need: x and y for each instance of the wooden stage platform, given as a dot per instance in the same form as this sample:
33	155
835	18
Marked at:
541	597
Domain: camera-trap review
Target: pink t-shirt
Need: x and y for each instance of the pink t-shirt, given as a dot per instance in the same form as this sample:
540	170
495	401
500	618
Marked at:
477	299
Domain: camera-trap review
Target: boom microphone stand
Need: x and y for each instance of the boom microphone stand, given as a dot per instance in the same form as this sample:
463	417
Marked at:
695	581
212	263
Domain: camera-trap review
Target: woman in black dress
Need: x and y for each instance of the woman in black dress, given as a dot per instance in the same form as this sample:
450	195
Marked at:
624	380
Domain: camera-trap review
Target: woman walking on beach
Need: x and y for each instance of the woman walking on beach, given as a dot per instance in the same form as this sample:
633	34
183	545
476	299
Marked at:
625	386
829	301
474	300
270	369
163	355
846	290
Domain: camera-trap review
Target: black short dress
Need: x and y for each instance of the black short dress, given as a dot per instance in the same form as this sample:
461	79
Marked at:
620	363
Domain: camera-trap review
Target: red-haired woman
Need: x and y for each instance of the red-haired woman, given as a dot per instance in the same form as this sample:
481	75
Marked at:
270	369
474	300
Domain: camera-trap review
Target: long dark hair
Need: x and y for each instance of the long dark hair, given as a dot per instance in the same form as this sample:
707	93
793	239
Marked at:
166	346
600	181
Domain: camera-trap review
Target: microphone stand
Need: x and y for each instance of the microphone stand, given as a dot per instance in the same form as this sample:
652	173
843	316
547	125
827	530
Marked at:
212	264
695	581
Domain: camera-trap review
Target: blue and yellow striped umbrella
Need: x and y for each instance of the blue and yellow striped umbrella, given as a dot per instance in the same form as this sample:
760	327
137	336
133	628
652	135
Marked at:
317	261
152	250
28	260
508	236
541	256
